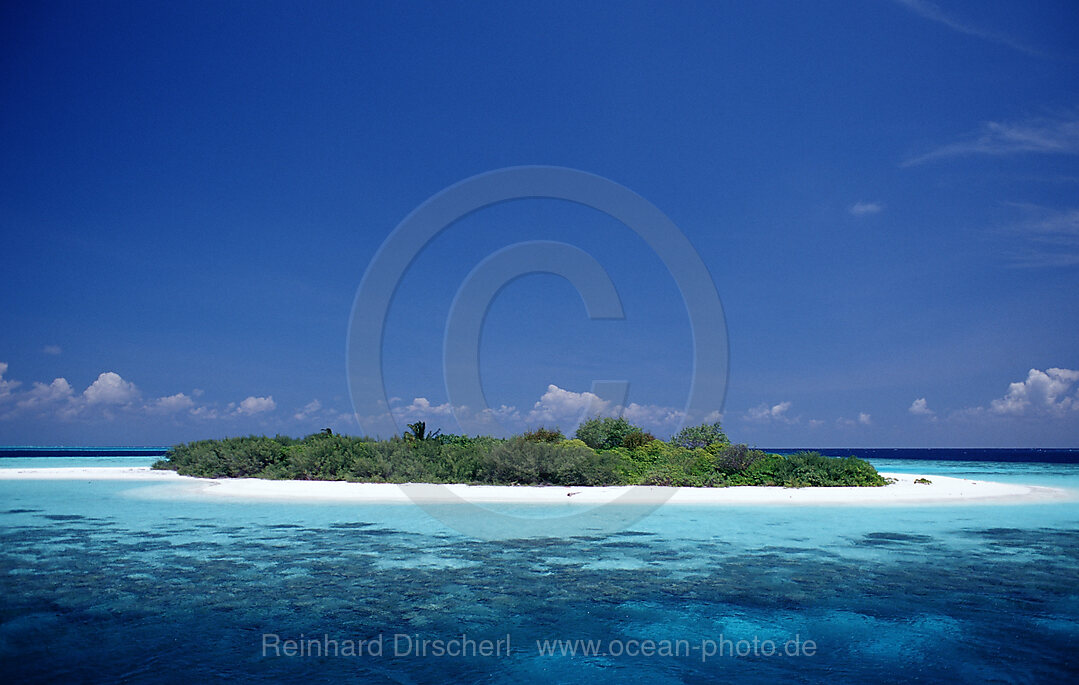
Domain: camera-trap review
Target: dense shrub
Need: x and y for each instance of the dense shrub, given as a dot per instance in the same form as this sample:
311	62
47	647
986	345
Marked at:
324	456
684	468
605	433
808	469
542	434
734	458
692	437
228	458
637	439
520	460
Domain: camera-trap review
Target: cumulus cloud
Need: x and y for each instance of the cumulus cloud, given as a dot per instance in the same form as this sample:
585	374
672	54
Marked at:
561	407
655	416
256	405
111	396
557	405
1043	392
54	350
6	387
171	404
421	408
41	394
110	389
501	415
920	407
777	412
865	419
864	208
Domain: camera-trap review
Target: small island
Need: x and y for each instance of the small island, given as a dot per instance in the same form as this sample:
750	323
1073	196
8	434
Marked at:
603	452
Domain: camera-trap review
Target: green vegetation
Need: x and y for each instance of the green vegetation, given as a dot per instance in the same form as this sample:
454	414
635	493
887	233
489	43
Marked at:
542	434
703	435
605	433
606	451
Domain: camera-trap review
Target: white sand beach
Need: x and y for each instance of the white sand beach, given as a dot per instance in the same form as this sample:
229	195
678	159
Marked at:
904	491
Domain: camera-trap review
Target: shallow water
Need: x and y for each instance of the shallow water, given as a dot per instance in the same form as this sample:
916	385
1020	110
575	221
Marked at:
106	580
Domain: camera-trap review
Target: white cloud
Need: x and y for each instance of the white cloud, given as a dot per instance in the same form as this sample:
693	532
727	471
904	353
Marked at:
171	404
655	417
558	406
1043	392
346	418
256	405
565	408
57	391
52	349
502	415
777	412
713	417
862	420
110	396
6	387
1050	238
933	12
110	389
864	208
308	410
421	407
1043	135
920	407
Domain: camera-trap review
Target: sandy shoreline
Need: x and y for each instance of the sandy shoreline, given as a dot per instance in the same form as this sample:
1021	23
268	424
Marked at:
904	491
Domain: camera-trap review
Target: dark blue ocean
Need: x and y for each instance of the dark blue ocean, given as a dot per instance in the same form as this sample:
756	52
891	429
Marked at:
107	581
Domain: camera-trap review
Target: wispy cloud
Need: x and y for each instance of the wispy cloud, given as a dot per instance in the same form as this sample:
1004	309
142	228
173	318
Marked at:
53	350
862	420
864	208
1043	135
309	410
1050	238
933	12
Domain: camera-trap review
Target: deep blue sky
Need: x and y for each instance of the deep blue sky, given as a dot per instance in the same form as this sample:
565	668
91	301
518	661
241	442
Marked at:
886	194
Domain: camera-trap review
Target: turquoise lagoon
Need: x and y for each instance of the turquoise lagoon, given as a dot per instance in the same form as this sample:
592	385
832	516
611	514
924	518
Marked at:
144	582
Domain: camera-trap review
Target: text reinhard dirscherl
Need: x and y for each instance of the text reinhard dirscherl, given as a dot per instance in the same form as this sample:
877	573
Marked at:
404	645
